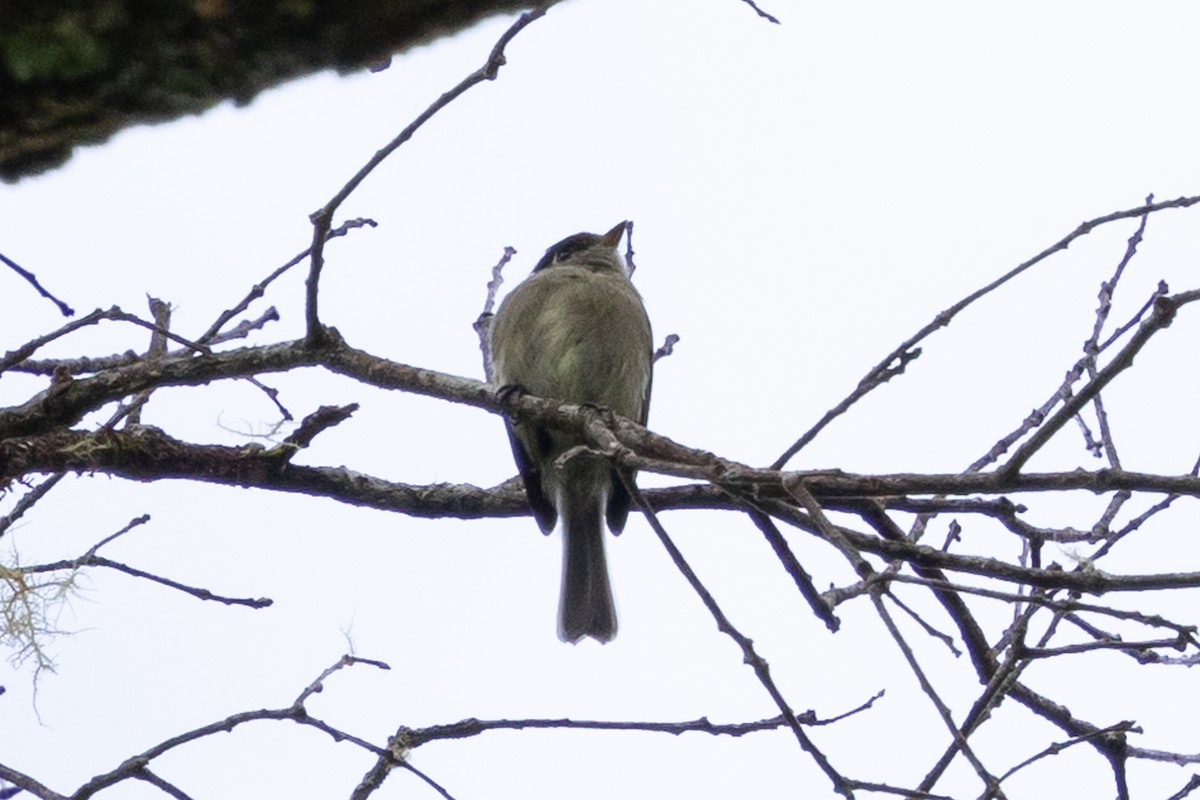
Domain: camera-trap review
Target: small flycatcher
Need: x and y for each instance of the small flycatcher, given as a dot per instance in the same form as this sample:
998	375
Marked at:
576	330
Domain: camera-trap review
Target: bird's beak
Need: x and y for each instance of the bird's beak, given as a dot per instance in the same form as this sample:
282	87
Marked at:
613	237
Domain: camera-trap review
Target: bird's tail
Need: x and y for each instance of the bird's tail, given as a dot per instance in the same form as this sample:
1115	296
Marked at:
586	604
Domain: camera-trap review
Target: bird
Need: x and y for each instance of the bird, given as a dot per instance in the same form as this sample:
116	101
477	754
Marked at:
576	330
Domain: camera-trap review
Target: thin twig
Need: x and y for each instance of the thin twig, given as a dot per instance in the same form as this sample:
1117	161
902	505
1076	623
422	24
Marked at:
23	352
213	334
908	794
802	579
1192	785
468	728
939	705
1164	312
323	217
28	501
194	591
760	12
91	559
66	310
933	632
1058	747
1141	519
198	347
1091	346
158	348
1066	606
894	362
997	688
483	323
170	788
29	784
751	657
135	766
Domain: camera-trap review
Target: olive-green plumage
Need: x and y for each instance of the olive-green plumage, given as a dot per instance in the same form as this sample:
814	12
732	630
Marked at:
576	330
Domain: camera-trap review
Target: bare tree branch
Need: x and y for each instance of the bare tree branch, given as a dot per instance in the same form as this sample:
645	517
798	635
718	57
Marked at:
894	362
32	280
322	219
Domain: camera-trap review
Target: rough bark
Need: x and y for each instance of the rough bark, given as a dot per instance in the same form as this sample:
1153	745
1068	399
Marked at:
76	72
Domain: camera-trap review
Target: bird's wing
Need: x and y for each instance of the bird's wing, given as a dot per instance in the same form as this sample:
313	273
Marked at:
543	510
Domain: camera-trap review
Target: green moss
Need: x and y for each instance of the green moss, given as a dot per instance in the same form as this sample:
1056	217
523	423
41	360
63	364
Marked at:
62	51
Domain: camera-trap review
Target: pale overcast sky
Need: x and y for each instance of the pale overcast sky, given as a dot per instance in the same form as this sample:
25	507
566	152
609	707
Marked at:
805	196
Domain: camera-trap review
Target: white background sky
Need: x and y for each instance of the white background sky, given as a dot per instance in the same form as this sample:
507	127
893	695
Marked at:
805	197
